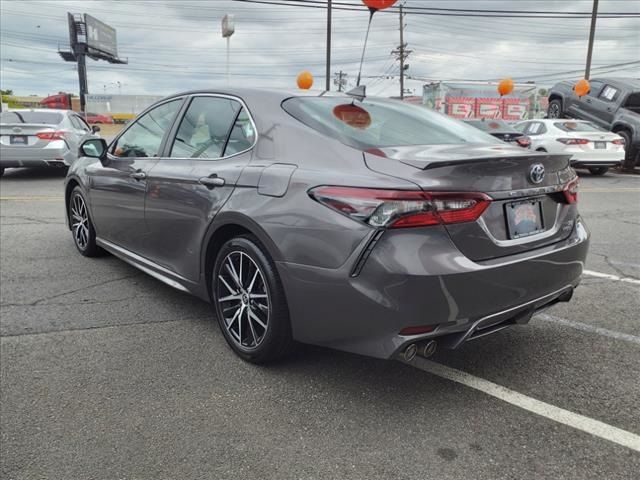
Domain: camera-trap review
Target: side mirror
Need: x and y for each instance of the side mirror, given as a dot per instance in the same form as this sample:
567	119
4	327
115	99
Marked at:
95	128
94	148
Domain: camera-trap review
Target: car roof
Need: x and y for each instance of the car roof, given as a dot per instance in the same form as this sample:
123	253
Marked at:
243	92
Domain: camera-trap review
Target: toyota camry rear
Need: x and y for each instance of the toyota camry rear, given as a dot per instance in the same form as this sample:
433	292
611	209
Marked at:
367	225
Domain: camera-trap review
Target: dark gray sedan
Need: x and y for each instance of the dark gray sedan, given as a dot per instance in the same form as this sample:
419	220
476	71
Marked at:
41	138
371	226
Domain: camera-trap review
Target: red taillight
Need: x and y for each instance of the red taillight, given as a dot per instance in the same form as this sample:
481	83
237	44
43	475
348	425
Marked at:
403	208
618	141
48	135
573	141
524	141
571	191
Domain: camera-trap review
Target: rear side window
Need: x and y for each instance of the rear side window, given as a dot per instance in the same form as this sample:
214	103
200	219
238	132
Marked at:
144	137
378	123
205	128
242	134
79	123
45	118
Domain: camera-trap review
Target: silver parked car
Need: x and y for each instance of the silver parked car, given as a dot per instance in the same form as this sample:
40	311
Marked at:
371	226
41	138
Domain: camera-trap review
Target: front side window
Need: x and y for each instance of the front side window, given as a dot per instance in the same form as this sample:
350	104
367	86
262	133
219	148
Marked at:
379	123
205	128
144	137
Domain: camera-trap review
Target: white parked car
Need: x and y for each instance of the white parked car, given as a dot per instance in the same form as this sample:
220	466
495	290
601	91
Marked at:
591	146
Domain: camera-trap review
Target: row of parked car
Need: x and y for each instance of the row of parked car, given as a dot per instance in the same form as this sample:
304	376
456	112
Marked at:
589	145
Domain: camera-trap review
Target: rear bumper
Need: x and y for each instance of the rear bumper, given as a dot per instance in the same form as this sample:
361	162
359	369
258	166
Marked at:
420	278
595	163
12	157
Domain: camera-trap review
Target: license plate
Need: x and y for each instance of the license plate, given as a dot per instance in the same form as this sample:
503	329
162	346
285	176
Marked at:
18	140
524	218
600	145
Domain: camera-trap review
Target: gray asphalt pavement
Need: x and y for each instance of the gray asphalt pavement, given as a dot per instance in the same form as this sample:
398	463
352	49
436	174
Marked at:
107	373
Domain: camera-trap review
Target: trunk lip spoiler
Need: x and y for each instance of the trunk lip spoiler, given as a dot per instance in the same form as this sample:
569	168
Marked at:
531	156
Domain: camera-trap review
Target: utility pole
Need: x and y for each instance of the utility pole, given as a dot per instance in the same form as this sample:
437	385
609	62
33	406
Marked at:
82	76
402	53
340	80
592	34
328	62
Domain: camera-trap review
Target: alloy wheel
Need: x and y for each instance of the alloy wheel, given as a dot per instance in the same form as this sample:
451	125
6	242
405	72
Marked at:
554	110
80	222
243	298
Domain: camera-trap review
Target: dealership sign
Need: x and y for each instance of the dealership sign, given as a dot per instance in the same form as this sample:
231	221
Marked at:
101	36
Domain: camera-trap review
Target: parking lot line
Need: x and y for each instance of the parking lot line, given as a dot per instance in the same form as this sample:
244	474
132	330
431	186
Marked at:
557	414
590	328
611	277
31	198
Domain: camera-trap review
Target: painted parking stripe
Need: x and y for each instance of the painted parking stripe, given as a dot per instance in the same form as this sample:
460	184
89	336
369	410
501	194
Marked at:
30	198
589	328
557	414
611	277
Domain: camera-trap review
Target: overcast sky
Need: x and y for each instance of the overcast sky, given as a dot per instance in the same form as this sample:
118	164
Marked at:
177	45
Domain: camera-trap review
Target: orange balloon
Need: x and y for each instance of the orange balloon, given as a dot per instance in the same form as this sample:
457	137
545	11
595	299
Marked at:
505	87
379	4
582	87
305	80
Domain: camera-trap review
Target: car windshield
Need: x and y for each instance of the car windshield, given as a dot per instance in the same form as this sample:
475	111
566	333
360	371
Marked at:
491	125
46	118
578	127
379	123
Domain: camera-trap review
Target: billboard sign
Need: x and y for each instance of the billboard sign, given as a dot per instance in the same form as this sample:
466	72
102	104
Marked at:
101	36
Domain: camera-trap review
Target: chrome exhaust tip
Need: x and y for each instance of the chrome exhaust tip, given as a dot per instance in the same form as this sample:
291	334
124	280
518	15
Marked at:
410	352
428	348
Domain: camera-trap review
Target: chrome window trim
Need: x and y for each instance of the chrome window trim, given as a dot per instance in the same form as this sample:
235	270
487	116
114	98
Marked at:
229	97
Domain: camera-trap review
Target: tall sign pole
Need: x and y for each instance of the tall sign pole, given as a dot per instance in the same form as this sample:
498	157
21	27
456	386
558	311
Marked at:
592	34
228	28
328	62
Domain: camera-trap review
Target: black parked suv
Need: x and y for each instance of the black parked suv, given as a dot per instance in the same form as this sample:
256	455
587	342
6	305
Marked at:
613	103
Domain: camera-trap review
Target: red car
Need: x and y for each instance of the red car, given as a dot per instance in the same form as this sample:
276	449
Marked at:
98	118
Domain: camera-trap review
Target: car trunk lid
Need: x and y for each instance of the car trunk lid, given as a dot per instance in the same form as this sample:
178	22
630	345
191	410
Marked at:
24	134
502	172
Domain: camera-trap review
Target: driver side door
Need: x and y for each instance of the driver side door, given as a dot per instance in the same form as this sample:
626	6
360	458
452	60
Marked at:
117	185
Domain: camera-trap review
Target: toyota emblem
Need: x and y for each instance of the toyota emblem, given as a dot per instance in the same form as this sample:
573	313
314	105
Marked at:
536	173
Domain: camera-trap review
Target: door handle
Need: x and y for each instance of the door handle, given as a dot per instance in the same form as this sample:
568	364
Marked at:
588	100
138	175
212	181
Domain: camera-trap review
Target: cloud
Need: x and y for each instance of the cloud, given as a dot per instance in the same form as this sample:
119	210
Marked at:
177	45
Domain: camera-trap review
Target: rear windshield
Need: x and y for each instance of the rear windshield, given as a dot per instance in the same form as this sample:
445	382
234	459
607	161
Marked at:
578	127
491	125
379	123
51	118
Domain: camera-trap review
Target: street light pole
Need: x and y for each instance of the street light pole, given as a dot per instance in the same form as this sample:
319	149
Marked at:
328	62
592	34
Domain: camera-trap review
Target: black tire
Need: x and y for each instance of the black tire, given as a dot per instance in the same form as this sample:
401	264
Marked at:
630	150
84	236
255	341
598	170
1	171
555	109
